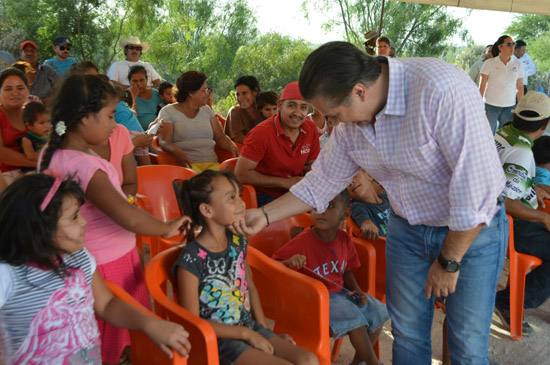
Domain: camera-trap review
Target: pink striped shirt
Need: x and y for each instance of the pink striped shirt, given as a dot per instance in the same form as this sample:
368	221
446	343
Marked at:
431	148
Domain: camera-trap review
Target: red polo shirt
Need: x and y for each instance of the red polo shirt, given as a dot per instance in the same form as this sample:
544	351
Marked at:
276	155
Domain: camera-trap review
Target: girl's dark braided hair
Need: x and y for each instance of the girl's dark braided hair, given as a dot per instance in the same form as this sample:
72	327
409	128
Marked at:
79	96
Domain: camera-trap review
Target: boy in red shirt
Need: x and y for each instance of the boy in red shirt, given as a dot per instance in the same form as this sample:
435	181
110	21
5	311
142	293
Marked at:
328	254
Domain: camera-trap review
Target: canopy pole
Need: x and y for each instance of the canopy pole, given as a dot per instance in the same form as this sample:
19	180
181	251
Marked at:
381	19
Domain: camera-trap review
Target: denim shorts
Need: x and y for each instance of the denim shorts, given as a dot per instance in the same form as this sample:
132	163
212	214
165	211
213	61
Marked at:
230	349
345	315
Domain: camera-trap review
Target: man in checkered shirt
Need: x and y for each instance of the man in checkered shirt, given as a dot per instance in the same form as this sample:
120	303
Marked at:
418	126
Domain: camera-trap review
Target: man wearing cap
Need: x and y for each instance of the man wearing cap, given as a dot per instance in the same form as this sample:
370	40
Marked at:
531	226
42	79
133	49
280	150
61	63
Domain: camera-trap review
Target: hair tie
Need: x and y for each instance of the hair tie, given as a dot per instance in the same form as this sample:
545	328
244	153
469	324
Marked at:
53	189
60	128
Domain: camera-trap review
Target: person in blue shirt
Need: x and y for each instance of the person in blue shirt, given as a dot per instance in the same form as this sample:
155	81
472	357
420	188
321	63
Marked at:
61	63
541	152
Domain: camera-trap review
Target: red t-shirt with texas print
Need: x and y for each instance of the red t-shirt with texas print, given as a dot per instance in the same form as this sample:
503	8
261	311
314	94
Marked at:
326	259
276	154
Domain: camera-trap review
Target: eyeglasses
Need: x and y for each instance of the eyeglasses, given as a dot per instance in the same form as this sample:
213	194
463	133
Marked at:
509	44
62	48
137	48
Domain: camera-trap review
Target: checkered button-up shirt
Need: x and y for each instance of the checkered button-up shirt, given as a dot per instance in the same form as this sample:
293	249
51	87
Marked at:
431	148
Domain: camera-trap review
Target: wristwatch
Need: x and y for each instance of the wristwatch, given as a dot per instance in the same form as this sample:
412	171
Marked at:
448	265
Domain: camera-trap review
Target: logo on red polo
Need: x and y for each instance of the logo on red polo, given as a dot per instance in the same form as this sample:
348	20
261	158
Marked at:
305	149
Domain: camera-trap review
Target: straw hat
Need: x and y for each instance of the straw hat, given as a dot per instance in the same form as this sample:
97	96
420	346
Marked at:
134	41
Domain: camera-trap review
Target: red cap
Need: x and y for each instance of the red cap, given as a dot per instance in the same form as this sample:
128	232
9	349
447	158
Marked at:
291	92
23	44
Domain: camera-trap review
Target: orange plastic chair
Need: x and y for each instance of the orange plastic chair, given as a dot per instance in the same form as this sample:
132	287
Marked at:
223	154
271	238
520	265
222	120
380	248
158	276
143	350
163	158
249	193
156	195
298	304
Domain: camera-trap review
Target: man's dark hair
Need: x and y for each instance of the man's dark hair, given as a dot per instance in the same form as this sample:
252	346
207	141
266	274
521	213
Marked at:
527	125
32	110
332	70
520	43
541	150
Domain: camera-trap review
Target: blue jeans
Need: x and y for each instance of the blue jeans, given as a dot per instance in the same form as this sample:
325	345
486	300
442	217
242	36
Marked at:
498	116
410	251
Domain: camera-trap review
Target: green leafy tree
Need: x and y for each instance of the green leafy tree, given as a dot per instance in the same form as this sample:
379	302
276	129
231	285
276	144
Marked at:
416	29
535	31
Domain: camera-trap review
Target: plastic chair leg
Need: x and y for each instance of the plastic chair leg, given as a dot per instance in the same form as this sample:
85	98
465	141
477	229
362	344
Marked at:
517	292
336	349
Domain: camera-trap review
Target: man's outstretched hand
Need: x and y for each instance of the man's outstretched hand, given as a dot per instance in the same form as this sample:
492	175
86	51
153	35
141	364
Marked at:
254	221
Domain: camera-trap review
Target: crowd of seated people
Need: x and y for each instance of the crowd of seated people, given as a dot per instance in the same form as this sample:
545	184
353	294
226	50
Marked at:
276	139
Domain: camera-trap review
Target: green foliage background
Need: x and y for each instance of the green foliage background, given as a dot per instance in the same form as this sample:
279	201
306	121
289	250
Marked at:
222	39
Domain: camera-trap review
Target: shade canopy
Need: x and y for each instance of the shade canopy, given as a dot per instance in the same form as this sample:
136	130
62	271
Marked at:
541	7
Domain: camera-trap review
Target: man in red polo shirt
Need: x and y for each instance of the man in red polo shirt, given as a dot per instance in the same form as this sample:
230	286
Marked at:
280	150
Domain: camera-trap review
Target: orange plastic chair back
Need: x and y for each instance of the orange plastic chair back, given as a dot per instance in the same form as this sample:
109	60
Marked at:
157	196
222	120
163	158
249	193
380	248
144	351
298	304
158	275
271	238
520	265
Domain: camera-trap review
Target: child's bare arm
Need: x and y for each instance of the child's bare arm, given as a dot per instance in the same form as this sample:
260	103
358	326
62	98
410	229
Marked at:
189	299
351	283
118	313
28	150
255	304
295	262
369	231
101	193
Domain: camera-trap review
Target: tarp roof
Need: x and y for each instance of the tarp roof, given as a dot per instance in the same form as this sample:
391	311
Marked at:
515	6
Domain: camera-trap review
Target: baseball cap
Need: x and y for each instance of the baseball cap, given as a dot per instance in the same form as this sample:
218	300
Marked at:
535	103
23	44
61	41
291	92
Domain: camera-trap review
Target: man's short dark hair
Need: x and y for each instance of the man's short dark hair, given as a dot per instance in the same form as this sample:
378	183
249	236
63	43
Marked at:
332	70
541	150
520	43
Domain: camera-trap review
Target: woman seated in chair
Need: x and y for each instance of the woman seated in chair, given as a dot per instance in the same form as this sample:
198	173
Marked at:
191	128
